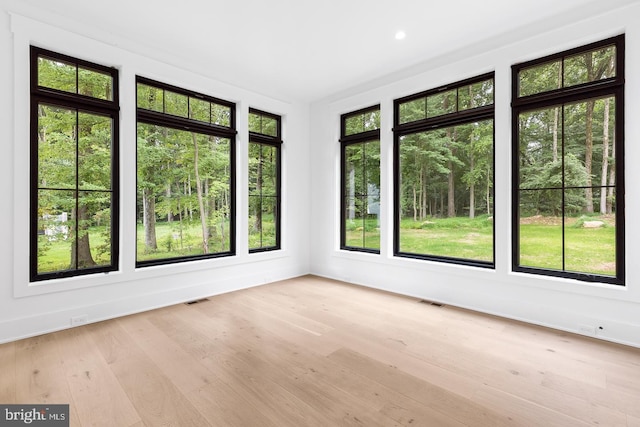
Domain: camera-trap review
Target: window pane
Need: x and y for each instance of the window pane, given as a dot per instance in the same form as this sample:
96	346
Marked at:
176	104
590	241
56	147
54	230
540	78
446	192
362	191
269	126
541	234
56	74
590	66
262	222
150	98
220	115
589	136
362	226
411	111
475	95
262	170
95	84
441	103
354	170
254	123
199	110
94	152
363	122
93	240
540	142
183	193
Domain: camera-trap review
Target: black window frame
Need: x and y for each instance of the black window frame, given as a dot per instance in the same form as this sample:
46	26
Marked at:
345	141
276	142
191	125
466	116
613	86
80	103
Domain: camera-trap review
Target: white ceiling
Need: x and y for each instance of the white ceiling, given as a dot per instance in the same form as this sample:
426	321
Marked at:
303	50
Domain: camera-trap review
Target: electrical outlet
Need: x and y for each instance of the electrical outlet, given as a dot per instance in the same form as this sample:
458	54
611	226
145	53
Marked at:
587	330
79	320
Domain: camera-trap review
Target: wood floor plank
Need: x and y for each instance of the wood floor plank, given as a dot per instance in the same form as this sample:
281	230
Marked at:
461	408
156	399
40	377
633	421
149	338
97	396
8	376
215	344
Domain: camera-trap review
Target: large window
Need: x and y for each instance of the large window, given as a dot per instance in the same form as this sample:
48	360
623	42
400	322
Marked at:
265	139
443	154
568	188
186	175
74	159
360	180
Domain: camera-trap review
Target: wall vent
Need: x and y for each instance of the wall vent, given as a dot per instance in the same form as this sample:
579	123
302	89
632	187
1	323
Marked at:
196	301
436	304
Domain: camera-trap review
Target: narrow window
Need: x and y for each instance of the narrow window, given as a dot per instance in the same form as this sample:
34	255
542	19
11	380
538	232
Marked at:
443	150
568	140
360	180
74	166
186	175
265	140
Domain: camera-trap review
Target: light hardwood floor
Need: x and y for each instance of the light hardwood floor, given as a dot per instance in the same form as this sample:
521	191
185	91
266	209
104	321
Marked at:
315	352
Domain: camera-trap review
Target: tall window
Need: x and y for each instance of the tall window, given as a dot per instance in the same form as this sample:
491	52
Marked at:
74	166
444	173
360	180
186	175
568	133
265	139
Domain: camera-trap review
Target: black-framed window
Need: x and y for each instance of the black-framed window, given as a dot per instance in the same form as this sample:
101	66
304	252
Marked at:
568	172
360	180
74	166
265	141
443	173
185	175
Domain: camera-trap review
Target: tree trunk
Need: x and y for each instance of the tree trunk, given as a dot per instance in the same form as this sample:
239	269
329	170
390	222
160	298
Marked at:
203	217
415	203
149	220
258	223
588	156
472	188
451	193
612	176
605	157
180	217
170	210
80	248
489	176
556	121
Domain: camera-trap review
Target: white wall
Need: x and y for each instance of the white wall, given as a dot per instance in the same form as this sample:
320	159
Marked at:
30	309
559	303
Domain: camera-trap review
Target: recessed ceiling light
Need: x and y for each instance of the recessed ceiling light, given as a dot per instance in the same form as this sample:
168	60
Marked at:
400	35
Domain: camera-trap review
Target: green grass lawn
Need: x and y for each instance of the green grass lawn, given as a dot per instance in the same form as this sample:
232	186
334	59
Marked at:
587	250
174	241
449	237
56	254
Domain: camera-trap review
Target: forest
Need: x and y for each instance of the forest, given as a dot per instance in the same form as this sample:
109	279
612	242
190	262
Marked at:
566	158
